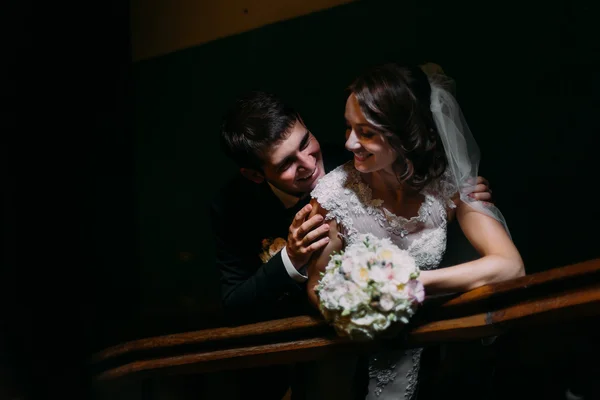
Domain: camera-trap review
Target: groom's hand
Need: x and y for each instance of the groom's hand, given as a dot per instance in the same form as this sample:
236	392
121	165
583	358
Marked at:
306	236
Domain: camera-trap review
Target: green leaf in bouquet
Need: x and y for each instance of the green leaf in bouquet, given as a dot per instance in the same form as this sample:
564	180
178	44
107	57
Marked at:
366	242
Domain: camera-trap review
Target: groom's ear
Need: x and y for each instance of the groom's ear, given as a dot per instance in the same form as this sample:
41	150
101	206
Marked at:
253	175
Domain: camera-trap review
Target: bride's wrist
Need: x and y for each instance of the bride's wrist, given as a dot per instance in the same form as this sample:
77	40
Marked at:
424	278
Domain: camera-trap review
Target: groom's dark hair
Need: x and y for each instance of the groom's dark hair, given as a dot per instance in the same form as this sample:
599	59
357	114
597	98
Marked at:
255	122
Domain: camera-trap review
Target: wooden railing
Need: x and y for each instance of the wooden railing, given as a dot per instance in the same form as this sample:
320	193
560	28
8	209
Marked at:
556	295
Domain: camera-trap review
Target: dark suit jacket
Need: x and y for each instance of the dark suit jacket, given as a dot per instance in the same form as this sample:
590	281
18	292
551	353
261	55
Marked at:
242	215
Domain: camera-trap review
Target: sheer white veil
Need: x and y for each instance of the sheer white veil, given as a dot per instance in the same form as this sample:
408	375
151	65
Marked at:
460	146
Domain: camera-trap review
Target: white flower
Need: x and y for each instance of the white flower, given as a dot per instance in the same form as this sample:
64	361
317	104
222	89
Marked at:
366	320
391	288
380	274
401	275
353	298
386	302
347	264
381	324
369	286
386	254
360	275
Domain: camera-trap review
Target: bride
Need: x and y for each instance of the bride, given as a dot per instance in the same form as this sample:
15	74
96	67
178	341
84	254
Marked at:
414	158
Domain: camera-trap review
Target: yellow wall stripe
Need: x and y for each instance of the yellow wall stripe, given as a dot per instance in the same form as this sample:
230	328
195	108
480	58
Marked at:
163	26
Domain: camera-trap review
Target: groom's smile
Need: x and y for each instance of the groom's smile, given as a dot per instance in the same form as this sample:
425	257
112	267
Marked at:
309	176
295	164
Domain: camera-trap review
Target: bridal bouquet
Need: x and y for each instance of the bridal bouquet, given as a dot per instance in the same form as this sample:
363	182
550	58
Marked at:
369	287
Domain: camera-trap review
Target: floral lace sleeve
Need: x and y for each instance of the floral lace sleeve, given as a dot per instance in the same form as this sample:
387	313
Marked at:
338	199
328	193
445	189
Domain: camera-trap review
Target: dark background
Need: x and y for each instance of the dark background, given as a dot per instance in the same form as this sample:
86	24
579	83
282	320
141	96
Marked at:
526	78
109	166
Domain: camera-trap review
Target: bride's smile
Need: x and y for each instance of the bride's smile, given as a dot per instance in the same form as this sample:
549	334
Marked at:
372	152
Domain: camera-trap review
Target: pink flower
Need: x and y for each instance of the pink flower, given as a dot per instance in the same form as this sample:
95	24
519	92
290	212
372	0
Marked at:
416	290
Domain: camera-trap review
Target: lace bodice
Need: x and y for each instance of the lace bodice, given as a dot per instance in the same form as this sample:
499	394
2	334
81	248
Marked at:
349	201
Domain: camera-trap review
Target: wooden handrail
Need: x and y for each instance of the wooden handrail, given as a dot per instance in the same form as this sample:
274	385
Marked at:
564	275
546	297
213	335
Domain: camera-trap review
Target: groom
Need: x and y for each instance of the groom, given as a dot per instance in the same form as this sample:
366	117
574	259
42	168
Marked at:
259	219
264	240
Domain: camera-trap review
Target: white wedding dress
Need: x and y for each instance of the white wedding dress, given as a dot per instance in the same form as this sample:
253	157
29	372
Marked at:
393	373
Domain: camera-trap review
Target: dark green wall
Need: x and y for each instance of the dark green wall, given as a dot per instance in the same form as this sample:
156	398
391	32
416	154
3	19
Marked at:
526	75
97	239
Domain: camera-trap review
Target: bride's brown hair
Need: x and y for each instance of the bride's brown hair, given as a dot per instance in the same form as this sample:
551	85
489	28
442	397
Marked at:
396	100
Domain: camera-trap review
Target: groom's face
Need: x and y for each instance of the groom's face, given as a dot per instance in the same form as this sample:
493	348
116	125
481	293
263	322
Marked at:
296	164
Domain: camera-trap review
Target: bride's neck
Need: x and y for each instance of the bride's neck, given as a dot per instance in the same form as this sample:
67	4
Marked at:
385	182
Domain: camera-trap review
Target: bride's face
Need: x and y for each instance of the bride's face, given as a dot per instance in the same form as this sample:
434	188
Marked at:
372	151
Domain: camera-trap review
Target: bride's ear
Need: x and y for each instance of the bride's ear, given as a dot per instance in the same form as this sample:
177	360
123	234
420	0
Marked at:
252	175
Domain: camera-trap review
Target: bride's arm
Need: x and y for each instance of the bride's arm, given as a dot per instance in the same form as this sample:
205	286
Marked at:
500	258
319	259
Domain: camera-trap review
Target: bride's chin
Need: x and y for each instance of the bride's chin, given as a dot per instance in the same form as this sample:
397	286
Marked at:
361	168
